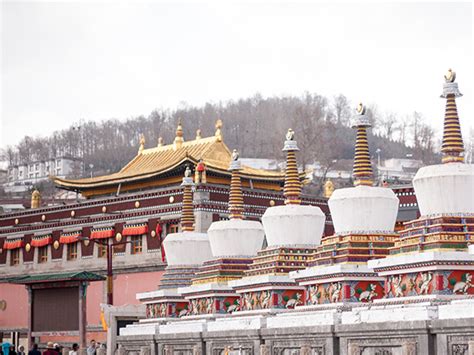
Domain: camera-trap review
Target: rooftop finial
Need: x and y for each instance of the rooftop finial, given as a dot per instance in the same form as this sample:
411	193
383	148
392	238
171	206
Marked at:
35	199
292	188
142	143
362	172
452	147
178	140
160	142
236	198
218	133
198	134
187	212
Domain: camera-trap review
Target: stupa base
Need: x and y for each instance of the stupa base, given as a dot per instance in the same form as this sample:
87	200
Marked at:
210	299
340	284
268	292
164	304
418	275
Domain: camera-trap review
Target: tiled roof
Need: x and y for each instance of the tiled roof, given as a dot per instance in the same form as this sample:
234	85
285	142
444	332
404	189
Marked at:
67	276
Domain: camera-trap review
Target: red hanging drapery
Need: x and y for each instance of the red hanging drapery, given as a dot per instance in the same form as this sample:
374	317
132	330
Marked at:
102	233
13	244
38	242
67	238
135	229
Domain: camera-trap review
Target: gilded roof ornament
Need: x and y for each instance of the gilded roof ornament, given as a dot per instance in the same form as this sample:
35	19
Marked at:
178	140
218	133
160	142
142	143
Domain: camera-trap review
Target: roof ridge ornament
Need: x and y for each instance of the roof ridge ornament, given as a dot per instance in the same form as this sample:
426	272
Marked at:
187	211
160	142
452	147
218	134
292	188
236	197
178	140
198	134
142	143
362	170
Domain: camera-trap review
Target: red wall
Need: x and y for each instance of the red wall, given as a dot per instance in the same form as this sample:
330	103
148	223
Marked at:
126	286
16	313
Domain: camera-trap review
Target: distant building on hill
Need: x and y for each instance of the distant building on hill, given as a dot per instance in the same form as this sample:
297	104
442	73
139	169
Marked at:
22	177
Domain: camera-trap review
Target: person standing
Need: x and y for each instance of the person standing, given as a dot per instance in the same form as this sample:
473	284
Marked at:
21	350
34	350
75	347
91	350
50	349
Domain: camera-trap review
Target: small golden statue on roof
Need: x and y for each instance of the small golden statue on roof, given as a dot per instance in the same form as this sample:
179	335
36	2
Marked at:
290	135
450	76
35	199
328	188
218	133
142	143
360	108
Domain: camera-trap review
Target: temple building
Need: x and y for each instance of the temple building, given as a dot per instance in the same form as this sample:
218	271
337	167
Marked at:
129	214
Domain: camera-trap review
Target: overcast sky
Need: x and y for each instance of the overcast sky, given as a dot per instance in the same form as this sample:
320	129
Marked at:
65	61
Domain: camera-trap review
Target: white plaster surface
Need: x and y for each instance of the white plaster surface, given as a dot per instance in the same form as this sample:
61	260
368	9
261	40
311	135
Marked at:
389	313
363	209
293	224
419	258
331	269
303	319
139	329
235	237
445	188
209	287
254	281
187	248
471	249
164	293
194	326
457	309
236	323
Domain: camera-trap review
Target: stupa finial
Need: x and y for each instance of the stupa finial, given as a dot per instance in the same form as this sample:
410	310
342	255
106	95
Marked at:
187	211
292	188
178	140
452	147
160	142
362	172
236	198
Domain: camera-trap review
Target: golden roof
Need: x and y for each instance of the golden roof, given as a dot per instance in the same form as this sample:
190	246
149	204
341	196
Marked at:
158	160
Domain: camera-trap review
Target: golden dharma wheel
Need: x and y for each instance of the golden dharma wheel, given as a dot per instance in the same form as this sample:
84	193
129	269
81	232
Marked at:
104	209
118	237
73	213
137	204
153	234
272	203
56	245
28	247
17	221
43	218
171	199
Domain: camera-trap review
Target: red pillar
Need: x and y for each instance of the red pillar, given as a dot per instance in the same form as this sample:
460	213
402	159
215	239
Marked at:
82	315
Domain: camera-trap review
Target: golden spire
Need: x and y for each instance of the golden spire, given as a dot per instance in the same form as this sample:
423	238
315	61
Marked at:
292	188
187	212
142	143
178	140
236	197
198	134
362	172
328	188
218	133
160	142
452	147
35	199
